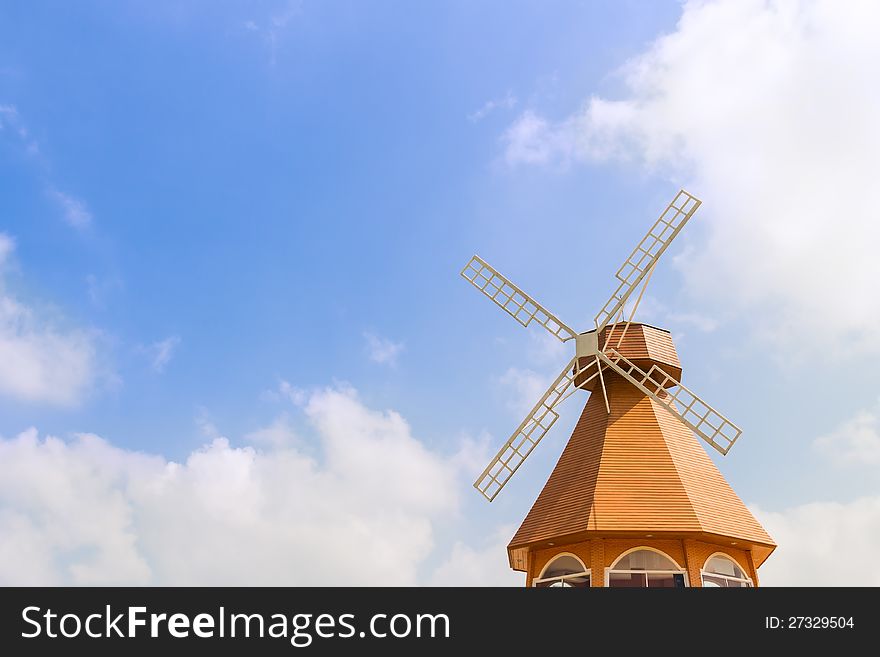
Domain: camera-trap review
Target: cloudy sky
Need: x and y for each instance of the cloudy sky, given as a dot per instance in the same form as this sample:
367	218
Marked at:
234	346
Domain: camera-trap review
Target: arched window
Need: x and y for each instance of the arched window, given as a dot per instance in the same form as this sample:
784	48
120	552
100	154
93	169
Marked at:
721	570
645	568
566	570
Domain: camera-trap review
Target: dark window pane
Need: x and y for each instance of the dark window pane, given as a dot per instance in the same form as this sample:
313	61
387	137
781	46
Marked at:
626	580
581	582
661	581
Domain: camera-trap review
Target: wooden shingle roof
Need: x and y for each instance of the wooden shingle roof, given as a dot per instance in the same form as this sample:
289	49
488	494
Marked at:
637	470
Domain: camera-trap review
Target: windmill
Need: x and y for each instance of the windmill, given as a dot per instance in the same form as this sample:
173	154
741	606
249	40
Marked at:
639	461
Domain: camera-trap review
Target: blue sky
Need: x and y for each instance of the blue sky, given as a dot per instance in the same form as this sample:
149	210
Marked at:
223	218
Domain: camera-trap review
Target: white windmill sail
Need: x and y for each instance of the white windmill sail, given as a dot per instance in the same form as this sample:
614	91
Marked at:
646	254
512	299
666	390
527	435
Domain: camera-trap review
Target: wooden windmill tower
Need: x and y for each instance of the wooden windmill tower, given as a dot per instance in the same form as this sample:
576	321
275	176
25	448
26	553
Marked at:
634	500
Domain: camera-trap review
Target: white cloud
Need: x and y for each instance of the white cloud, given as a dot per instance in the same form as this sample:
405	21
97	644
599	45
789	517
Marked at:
63	516
533	140
285	392
546	350
161	352
86	512
473	454
486	566
297	396
507	102
278	434
526	388
769	110
76	213
855	442
39	361
823	544
382	350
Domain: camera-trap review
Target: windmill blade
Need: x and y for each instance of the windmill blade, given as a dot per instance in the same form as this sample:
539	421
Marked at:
705	421
512	299
647	252
527	435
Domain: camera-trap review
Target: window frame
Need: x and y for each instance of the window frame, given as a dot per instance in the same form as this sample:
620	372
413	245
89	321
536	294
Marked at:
561	578
611	569
703	572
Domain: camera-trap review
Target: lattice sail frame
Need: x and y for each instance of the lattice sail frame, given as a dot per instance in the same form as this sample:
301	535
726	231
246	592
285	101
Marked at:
702	419
528	434
647	252
512	299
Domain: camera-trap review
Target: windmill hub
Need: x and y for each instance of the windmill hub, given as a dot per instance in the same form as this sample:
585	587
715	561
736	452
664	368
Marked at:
586	344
